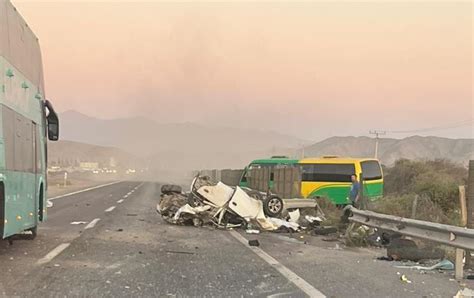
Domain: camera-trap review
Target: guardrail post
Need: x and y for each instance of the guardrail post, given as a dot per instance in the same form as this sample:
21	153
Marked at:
470	207
414	206
459	252
459	266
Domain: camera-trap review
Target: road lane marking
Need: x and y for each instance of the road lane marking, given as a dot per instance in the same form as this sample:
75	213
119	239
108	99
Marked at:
125	196
92	223
83	190
120	201
287	273
52	254
110	209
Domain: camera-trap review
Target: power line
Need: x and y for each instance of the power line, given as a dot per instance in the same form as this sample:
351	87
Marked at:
377	133
435	128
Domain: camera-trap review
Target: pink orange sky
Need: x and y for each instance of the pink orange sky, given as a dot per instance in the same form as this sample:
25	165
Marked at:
312	69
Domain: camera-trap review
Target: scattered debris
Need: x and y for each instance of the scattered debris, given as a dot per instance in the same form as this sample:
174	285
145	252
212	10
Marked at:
464	293
254	243
312	219
283	223
294	215
443	265
170	189
252	231
179	252
385	258
406	249
319	230
78	223
404	278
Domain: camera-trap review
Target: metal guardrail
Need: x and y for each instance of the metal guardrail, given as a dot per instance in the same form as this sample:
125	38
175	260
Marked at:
445	234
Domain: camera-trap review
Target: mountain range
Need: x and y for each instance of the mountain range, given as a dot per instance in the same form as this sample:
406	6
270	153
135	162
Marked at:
389	150
180	146
190	146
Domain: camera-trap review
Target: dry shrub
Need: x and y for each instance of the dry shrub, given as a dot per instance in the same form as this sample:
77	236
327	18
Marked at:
426	209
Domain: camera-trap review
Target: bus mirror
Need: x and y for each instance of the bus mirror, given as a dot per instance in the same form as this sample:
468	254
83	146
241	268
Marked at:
53	131
52	122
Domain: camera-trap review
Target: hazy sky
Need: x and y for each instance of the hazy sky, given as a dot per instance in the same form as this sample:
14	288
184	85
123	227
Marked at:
308	69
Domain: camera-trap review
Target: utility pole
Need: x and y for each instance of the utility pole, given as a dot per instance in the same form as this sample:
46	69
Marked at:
377	133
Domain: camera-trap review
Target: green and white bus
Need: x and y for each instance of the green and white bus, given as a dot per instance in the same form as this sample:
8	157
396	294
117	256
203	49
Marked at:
26	120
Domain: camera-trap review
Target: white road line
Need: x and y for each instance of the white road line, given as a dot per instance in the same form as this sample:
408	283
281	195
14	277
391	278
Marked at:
110	209
125	196
92	223
52	254
287	273
83	190
120	201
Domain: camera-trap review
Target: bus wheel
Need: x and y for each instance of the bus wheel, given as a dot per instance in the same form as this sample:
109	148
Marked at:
273	206
33	234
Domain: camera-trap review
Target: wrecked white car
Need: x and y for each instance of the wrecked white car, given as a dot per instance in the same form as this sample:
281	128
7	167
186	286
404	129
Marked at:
226	207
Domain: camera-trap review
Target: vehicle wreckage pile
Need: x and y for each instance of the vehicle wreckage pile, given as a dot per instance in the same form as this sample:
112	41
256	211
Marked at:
209	203
223	206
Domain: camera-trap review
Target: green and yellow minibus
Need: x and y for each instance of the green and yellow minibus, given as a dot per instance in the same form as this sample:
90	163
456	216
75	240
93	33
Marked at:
331	177
328	176
272	162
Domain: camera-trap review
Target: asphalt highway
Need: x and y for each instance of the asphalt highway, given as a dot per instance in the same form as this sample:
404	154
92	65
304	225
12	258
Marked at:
109	241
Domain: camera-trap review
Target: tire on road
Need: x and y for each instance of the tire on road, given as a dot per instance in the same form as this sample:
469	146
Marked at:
170	188
32	236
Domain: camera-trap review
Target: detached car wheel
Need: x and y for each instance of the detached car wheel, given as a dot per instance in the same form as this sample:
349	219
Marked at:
171	188
273	206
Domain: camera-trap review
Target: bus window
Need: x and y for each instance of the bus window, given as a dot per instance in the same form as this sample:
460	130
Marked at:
9	137
371	170
327	172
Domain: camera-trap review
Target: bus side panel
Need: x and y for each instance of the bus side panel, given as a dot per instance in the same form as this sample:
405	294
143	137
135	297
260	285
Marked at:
2	208
19	209
336	192
373	189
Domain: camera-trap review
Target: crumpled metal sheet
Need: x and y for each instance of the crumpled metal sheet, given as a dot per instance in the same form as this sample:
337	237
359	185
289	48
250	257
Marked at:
174	209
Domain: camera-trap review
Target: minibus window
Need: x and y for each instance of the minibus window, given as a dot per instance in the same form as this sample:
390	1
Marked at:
371	170
327	172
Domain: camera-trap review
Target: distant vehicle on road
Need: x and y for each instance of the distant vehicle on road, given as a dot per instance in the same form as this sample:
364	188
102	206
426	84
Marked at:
27	118
331	177
271	163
